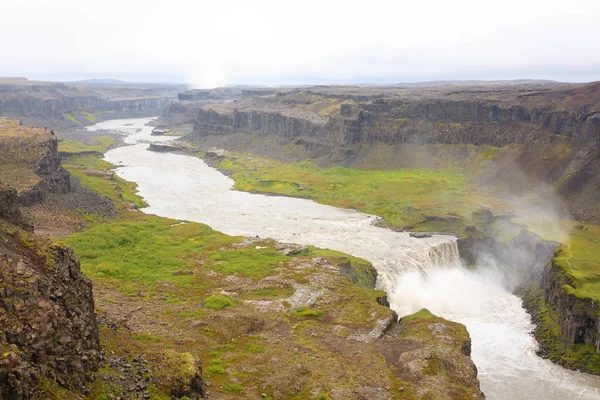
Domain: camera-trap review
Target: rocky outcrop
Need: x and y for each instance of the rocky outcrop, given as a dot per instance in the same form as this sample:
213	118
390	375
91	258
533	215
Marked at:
434	353
412	120
9	206
209	94
520	259
47	324
61	105
30	162
578	317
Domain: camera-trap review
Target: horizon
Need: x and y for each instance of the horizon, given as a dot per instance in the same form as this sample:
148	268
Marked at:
118	80
210	44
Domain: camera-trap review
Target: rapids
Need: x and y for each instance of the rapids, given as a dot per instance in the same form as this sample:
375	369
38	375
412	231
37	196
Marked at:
416	273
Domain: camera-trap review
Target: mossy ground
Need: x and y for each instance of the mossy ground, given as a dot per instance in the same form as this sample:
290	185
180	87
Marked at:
260	321
253	330
578	254
98	144
548	330
421	200
98	175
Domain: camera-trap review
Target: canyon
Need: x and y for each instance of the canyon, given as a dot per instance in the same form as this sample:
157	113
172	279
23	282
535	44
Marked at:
533	141
71	105
528	150
38	274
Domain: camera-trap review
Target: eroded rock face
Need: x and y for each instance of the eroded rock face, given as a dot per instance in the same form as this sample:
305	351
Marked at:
30	162
434	354
47	324
9	206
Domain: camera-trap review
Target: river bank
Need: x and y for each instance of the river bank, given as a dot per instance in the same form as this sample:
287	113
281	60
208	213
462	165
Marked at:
197	198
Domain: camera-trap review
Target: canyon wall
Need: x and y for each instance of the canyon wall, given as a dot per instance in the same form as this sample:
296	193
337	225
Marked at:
48	326
30	163
62	106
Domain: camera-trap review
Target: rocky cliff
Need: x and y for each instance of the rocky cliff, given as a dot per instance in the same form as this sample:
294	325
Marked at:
394	117
61	106
29	162
48	330
503	137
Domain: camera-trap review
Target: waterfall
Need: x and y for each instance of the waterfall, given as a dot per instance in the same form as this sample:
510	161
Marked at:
442	254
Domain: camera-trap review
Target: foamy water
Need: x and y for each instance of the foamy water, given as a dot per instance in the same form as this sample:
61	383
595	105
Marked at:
186	188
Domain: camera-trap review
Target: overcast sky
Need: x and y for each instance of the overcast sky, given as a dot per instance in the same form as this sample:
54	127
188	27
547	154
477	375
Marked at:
212	43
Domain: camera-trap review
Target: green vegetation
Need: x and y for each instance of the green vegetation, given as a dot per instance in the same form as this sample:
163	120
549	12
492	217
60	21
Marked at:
270	293
100	144
250	262
421	314
416	199
577	256
145	248
97	175
307	312
217	302
232	387
359	271
89	116
72	117
548	330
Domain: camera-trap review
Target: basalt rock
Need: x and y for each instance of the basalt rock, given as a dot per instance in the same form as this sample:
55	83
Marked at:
62	105
47	324
30	162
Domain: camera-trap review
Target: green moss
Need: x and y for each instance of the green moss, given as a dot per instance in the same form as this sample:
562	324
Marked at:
549	334
99	144
253	348
359	271
89	116
248	261
72	117
217	302
421	314
232	387
420	199
145	249
307	312
270	293
145	336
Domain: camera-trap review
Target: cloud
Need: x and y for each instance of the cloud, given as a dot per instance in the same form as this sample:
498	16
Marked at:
263	41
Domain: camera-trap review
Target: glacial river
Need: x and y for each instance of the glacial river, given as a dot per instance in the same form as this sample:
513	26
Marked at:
416	273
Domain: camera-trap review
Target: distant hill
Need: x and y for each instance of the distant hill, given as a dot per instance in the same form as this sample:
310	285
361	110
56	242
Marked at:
103	81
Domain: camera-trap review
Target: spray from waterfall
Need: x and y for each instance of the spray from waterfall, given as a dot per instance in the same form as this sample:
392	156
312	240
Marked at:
420	260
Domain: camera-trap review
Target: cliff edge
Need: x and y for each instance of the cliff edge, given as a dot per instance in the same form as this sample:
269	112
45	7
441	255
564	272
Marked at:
48	330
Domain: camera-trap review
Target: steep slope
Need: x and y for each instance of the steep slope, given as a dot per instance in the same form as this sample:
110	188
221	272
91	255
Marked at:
533	146
29	162
61	106
48	328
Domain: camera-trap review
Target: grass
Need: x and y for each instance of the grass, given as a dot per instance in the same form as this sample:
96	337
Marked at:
578	254
250	262
548	330
96	174
144	249
100	144
418	199
217	302
89	116
421	314
270	293
307	312
72	117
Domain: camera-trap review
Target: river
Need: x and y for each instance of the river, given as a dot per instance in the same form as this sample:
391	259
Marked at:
416	273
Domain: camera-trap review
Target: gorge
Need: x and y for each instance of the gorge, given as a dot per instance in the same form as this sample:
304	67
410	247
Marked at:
184	187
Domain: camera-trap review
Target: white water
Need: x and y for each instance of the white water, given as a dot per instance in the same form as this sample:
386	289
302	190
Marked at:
184	187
